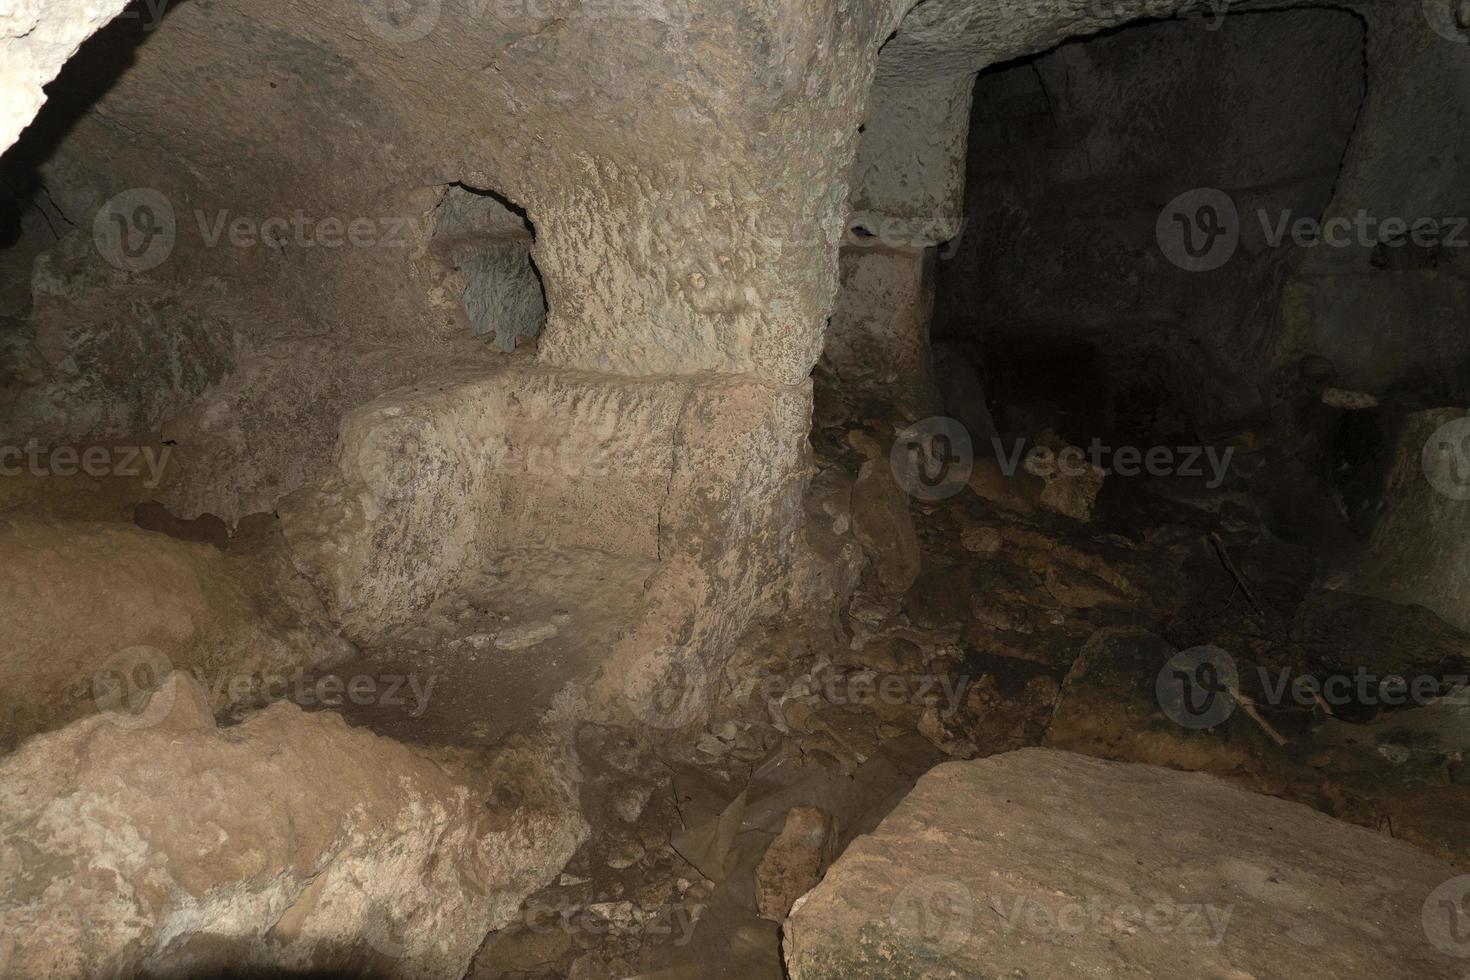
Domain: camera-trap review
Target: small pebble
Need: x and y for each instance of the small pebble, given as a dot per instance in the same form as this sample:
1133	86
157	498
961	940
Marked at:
625	854
525	635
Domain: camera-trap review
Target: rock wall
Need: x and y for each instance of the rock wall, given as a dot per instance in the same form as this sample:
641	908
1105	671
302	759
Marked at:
1062	278
1417	548
1386	310
878	339
686	187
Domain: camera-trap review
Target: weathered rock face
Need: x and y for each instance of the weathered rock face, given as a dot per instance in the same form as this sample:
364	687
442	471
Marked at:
680	228
1046	863
270	426
829	561
654	471
1418	551
665	485
792	865
910	167
1404	163
90	605
878	341
155	843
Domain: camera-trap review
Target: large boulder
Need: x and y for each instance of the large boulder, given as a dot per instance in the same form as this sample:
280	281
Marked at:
155	843
430	480
91	604
1044	863
664	510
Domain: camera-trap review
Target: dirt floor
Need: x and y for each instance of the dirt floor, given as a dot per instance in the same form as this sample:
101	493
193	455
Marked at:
1022	629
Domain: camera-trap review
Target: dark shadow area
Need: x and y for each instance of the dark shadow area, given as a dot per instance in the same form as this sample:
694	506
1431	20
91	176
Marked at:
83	81
1060	291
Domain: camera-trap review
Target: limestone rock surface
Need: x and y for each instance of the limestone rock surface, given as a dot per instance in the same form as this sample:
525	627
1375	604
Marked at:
1043	863
158	844
98	611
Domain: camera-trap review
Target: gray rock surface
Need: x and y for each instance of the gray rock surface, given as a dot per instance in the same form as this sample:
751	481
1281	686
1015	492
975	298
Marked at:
1419	549
878	340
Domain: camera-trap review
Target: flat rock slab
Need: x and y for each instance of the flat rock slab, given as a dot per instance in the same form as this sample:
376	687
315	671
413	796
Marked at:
1041	863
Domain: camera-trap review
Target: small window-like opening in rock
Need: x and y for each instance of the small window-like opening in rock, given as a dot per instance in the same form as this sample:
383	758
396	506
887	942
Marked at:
486	239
